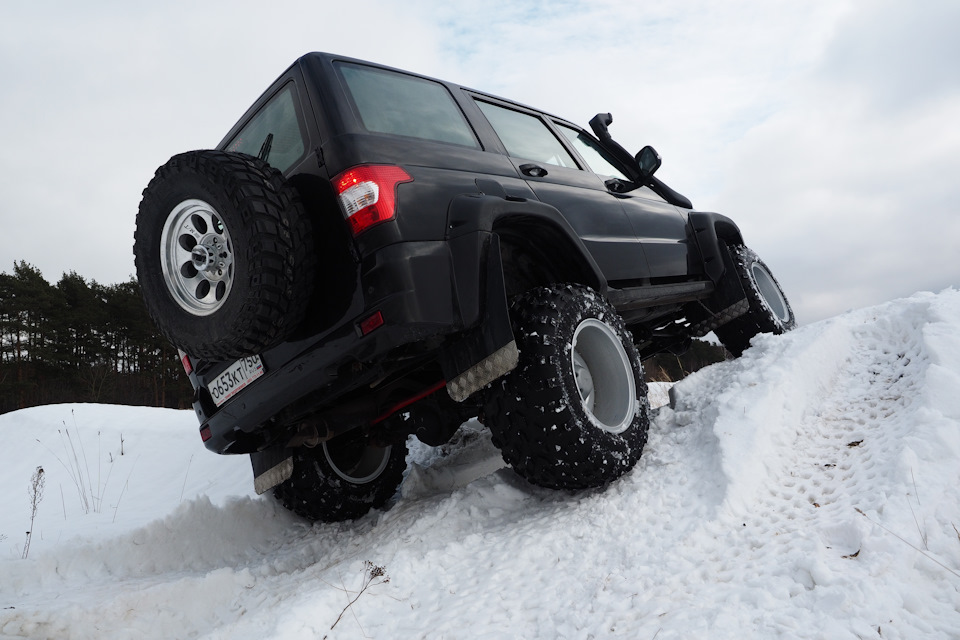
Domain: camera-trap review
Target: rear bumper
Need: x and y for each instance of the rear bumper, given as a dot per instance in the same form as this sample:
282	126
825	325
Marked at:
416	289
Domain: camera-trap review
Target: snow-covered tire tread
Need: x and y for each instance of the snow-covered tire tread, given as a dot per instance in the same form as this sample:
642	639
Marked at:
317	492
536	414
761	316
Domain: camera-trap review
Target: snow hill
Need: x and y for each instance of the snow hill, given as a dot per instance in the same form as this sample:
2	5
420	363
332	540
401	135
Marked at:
810	489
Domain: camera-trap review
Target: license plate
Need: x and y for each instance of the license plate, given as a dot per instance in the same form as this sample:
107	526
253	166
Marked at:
235	378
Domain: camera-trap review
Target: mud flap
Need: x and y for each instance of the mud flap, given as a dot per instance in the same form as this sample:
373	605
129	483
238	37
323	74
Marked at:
271	467
489	350
728	301
497	364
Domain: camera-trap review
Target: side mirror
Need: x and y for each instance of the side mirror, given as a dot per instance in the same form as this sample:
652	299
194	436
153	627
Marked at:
649	161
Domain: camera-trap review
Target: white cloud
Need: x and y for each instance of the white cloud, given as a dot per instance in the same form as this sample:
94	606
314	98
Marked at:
826	129
851	190
95	96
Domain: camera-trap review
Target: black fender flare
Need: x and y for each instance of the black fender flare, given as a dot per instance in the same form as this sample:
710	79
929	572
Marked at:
472	212
486	349
711	231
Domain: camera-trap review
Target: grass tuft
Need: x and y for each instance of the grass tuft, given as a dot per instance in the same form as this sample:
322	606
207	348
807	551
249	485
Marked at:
910	544
90	488
37	483
373	575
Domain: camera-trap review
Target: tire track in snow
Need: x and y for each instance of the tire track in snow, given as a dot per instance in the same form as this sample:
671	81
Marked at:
843	451
715	534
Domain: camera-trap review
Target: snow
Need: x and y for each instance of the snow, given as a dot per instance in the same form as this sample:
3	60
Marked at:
810	489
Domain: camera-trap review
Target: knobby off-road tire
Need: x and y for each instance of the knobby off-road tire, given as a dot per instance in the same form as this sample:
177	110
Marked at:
343	478
224	254
769	310
574	412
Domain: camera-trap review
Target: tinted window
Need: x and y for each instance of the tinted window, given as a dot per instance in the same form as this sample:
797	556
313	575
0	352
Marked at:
275	131
390	102
526	136
595	156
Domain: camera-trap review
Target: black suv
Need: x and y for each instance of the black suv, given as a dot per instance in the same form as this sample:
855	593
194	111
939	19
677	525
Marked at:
370	254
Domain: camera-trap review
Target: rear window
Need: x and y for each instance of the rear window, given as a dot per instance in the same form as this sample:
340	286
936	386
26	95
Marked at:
274	134
402	105
526	136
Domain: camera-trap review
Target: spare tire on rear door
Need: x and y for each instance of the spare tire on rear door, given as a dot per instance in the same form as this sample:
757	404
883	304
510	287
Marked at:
224	254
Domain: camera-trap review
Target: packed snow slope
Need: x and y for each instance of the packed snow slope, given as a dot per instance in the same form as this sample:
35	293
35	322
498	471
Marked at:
810	489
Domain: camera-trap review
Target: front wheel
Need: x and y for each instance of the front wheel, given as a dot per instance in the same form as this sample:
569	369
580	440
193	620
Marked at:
342	478
769	310
574	412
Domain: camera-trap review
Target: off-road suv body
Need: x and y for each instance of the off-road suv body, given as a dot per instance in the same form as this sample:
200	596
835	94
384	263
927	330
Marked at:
353	247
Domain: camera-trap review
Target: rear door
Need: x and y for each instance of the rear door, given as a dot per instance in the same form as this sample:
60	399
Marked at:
557	179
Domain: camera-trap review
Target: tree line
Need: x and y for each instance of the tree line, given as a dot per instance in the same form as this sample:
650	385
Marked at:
81	341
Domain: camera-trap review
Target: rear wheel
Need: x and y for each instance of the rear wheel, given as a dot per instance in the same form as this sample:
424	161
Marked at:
574	412
769	310
342	478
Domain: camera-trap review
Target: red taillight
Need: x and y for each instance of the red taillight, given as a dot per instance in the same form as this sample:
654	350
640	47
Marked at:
367	194
185	361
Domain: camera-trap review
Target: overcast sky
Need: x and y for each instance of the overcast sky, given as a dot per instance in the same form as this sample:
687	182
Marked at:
828	129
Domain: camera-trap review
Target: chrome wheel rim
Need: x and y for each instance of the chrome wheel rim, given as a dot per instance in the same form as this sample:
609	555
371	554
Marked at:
197	257
357	462
770	292
604	376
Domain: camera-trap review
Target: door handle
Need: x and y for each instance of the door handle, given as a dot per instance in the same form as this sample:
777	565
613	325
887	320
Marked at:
533	170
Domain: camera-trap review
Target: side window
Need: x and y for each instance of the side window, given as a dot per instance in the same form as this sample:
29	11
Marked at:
391	102
526	136
595	156
274	133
